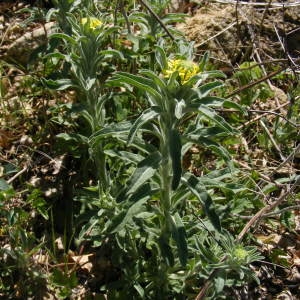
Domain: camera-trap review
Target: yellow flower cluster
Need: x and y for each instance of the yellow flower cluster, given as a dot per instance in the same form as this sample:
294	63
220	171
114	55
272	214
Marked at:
185	68
240	253
93	22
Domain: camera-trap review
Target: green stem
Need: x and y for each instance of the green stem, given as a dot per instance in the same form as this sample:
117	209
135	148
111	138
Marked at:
96	124
166	176
101	168
165	202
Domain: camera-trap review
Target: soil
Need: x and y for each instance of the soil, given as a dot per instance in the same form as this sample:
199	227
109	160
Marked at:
236	33
233	34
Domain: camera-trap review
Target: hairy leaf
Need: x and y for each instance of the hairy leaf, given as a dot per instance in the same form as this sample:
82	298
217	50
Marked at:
130	209
59	84
179	235
161	58
140	82
199	191
144	171
145	117
112	130
211	115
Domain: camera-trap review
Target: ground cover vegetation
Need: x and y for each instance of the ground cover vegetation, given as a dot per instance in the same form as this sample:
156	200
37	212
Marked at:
133	167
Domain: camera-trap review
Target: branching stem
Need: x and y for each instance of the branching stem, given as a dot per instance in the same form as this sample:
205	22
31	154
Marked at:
146	5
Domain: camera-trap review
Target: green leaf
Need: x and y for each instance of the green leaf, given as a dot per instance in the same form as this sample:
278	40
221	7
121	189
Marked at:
212	145
156	79
145	117
218	120
88	83
127	157
56	55
180	109
209	101
179	235
161	58
144	171
199	191
204	61
74	137
115	130
139	289
198	80
125	217
207	88
67	38
174	18
130	208
234	105
4	186
166	250
175	153
173	81
112	53
59	85
139	82
220	281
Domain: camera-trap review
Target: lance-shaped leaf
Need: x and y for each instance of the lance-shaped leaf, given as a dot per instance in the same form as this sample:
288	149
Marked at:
212	145
179	235
174	18
207	88
112	53
165	248
215	118
199	191
114	130
204	61
234	105
67	38
180	109
212	131
4	186
199	79
145	117
210	101
139	82
131	208
161	58
127	157
59	84
175	153
144	171
156	79
73	137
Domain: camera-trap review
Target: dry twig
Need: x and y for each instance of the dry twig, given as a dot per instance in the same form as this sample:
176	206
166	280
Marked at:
267	209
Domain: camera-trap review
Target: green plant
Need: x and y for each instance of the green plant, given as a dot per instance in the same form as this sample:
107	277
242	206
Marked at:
88	64
62	282
149	211
247	73
21	276
139	110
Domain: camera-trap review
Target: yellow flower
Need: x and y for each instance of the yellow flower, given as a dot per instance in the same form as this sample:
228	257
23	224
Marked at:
240	253
93	22
186	69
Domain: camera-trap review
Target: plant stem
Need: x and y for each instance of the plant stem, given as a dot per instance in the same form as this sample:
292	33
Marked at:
165	203
165	172
99	157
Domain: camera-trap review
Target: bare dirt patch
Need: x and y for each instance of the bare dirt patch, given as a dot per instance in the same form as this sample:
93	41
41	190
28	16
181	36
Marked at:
235	33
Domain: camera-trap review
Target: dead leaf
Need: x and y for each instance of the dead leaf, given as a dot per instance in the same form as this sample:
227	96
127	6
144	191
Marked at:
59	244
268	239
83	261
